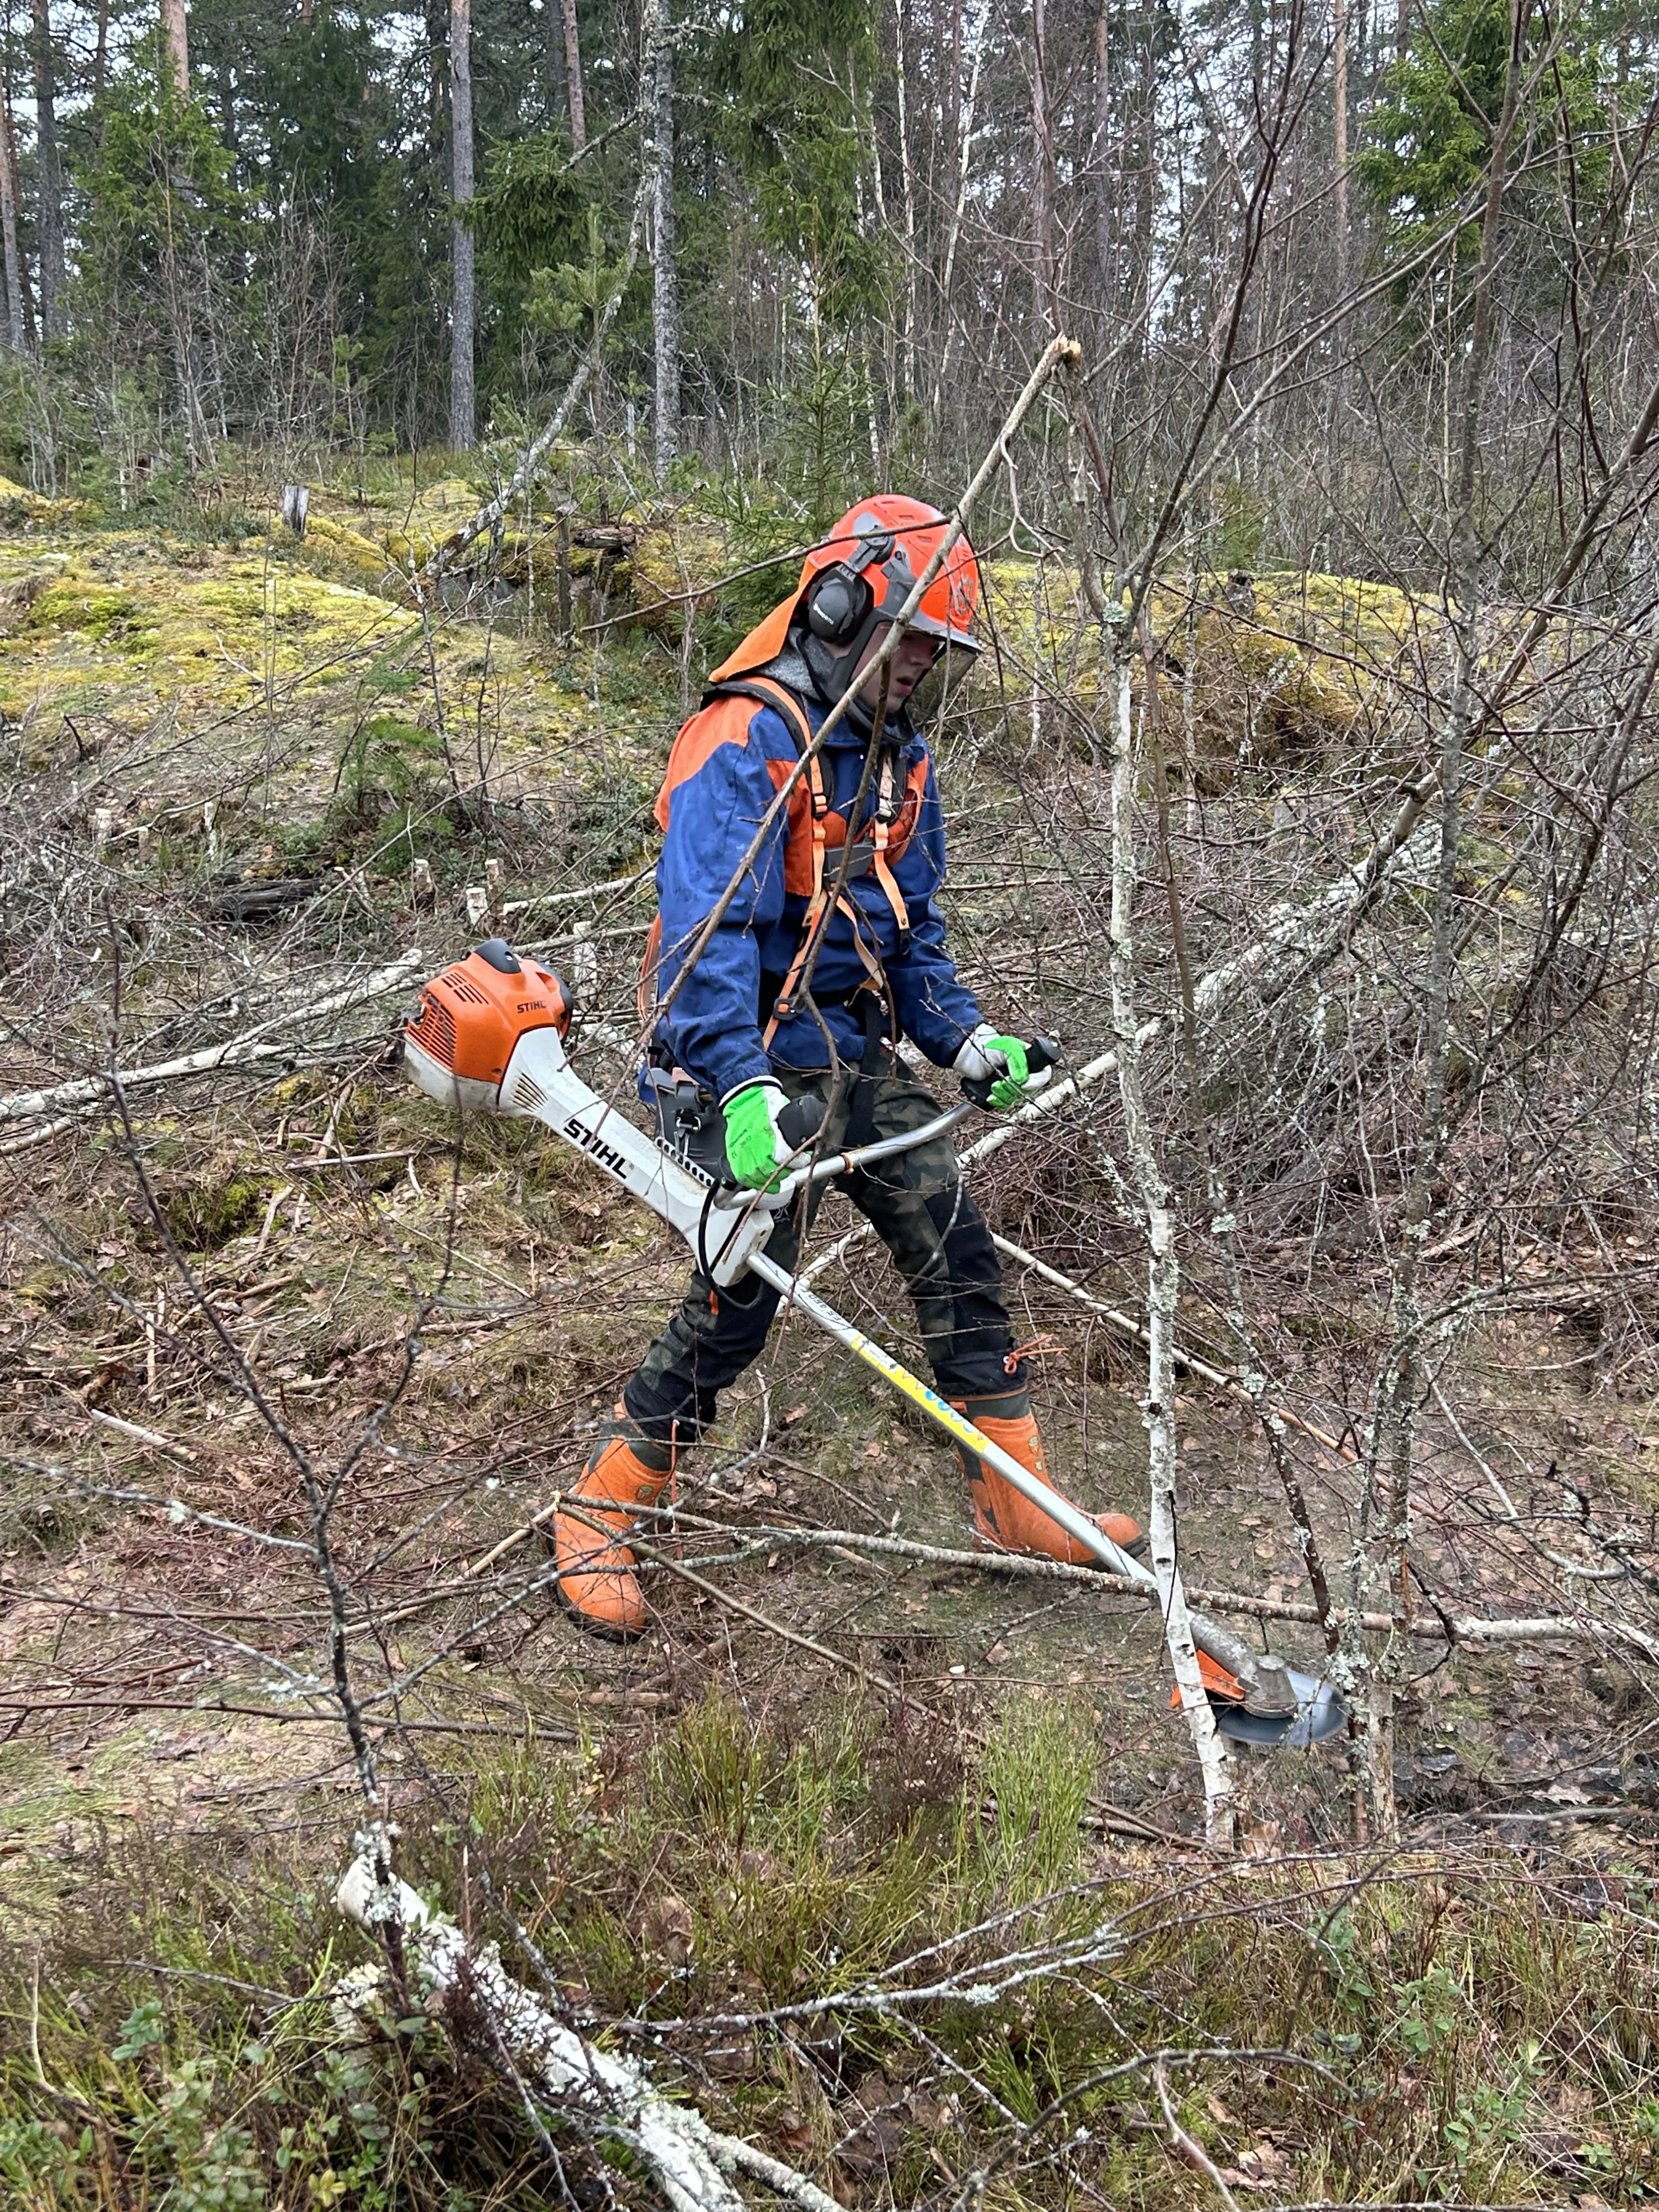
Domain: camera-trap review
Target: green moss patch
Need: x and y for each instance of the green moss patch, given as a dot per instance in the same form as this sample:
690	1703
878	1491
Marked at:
203	1216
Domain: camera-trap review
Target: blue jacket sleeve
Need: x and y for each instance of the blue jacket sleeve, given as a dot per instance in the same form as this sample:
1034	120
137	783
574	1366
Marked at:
712	1030
935	1008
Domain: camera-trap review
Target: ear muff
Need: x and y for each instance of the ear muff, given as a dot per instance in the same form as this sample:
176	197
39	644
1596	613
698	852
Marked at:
838	601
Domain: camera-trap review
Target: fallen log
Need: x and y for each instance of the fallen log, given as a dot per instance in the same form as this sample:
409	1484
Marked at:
249	1045
614	2096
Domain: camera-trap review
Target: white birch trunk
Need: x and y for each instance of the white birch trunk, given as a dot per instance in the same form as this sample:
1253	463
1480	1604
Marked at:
908	181
690	2161
954	234
1163	1269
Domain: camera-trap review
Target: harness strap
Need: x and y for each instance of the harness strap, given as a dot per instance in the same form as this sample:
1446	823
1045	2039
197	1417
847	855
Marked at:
767	692
881	830
812	922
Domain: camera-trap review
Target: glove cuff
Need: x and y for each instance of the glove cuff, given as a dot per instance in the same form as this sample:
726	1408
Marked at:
756	1082
970	1053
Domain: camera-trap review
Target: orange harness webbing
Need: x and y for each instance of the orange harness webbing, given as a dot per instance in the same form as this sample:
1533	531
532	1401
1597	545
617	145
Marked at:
879	828
817	917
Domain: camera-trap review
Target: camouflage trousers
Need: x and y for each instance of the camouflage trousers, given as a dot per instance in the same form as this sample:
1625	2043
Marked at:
918	1205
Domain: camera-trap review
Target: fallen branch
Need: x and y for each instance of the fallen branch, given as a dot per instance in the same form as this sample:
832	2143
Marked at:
151	1436
538	899
616	2096
764	1536
30	1708
231	1052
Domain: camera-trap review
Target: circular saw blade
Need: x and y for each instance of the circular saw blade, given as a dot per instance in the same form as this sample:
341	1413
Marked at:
1319	1713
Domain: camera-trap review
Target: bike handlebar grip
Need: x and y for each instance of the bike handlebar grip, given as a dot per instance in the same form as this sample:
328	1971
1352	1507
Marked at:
801	1119
1041	1053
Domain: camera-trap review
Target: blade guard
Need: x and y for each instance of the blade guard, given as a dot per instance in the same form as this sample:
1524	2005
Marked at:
1219	1687
1317	1712
472	1018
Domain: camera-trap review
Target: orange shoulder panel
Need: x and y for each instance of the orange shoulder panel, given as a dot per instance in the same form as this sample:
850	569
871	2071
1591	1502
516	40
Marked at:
797	837
724	722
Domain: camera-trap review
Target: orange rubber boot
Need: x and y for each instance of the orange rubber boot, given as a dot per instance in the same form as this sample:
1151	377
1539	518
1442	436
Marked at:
597	1585
1003	1519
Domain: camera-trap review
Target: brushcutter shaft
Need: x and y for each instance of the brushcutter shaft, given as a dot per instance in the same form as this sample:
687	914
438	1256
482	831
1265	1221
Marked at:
1059	1510
1267	1690
886	1148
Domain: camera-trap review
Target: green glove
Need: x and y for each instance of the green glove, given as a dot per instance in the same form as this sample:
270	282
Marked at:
1007	1093
986	1055
753	1145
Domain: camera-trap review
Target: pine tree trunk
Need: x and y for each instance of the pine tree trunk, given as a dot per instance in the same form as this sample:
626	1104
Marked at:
101	51
1340	164
463	298
1042	171
9	230
908	182
1104	252
666	294
1146	183
435	17
964	135
572	76
1339	135
51	230
175	31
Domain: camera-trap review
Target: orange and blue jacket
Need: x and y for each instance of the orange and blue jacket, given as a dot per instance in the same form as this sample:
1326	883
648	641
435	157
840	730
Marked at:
728	765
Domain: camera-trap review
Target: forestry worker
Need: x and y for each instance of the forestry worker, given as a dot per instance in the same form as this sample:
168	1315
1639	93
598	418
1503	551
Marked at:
814	946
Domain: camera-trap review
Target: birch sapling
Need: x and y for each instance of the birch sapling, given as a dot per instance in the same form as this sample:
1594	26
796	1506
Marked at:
1164	1264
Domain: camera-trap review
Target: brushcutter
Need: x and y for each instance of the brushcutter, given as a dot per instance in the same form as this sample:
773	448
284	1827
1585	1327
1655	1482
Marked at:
489	1037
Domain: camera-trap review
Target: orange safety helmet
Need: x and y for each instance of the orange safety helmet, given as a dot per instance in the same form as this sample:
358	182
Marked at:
861	575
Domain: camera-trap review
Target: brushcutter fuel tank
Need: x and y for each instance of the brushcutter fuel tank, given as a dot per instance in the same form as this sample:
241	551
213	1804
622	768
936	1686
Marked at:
471	1017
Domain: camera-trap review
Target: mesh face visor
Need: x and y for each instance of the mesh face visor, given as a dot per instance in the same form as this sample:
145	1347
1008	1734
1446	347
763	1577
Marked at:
941	687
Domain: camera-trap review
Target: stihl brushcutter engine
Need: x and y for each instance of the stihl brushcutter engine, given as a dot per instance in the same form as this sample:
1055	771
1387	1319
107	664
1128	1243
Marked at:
488	1037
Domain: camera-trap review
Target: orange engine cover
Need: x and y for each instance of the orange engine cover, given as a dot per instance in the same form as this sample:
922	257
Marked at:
473	1014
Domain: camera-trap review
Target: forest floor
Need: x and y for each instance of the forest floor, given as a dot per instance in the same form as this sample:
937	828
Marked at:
718	1818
